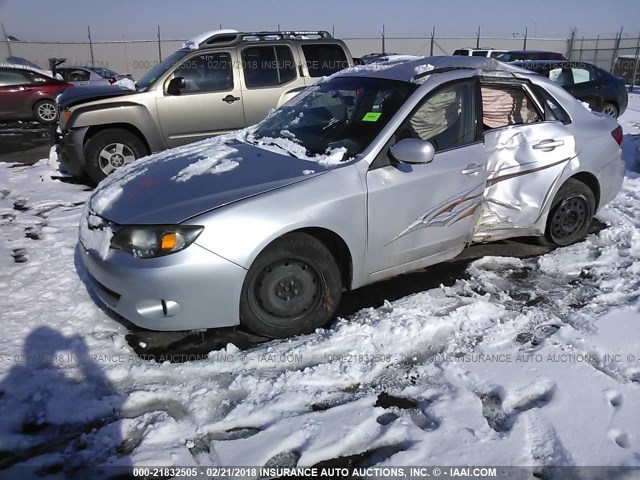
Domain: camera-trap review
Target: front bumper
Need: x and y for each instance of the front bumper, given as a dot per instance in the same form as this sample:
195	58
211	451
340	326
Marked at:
192	289
69	147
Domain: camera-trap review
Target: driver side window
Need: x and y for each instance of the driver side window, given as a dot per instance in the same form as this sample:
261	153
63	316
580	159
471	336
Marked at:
446	118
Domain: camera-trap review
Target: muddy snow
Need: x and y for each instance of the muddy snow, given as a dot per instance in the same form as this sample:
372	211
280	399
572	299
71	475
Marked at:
518	361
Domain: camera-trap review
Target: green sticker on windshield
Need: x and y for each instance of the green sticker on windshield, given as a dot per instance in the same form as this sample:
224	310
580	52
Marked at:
371	117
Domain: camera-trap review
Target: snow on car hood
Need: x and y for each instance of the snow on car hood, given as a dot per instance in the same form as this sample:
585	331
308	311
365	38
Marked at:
175	185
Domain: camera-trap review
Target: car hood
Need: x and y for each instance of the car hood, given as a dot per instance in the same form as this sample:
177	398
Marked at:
87	93
173	186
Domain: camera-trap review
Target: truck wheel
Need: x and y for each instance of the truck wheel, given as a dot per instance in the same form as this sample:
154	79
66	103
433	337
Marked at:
111	149
571	212
292	288
45	111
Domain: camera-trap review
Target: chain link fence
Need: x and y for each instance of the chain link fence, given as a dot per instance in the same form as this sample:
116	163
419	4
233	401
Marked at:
617	55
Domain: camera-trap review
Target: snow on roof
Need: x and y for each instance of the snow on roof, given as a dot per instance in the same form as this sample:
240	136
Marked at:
194	43
21	66
404	67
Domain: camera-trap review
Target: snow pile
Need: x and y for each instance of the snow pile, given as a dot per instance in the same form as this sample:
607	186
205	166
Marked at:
420	70
94	234
497	361
213	164
289	147
125	83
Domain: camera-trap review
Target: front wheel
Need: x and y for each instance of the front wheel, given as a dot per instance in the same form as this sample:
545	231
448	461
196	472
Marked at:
111	149
571	213
45	111
292	288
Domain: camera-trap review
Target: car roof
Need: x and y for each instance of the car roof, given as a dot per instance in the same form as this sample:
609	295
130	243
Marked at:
229	37
546	63
17	66
409	68
532	51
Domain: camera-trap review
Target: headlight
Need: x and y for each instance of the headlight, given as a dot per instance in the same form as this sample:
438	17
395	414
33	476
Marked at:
155	240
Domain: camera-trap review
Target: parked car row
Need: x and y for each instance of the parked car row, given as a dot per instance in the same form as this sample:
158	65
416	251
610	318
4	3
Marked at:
28	92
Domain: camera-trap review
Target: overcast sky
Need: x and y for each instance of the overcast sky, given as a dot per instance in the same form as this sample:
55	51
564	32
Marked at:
67	20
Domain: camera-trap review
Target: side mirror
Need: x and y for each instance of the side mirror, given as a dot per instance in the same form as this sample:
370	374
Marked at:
176	85
413	150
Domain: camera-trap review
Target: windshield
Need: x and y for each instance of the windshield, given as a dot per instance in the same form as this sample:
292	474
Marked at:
344	113
152	75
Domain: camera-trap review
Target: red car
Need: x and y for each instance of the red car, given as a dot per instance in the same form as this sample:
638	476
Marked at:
26	95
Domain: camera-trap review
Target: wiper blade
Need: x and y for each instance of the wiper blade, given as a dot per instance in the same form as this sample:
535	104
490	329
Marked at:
257	142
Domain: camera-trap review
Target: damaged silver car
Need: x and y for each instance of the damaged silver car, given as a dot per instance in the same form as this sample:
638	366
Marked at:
371	173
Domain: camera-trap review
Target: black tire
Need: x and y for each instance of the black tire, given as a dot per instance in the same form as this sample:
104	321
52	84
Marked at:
45	111
570	215
609	109
99	167
292	288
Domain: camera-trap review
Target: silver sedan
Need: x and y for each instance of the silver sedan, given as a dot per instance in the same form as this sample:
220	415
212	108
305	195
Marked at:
371	173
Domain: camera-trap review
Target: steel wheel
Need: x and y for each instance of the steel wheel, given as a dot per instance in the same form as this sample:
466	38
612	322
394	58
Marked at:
292	287
285	290
570	215
115	155
568	218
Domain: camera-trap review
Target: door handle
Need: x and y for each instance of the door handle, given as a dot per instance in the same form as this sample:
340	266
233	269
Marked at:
230	99
548	144
471	169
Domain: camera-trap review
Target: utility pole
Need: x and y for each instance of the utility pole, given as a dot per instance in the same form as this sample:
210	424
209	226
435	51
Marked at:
4	32
570	46
616	48
160	45
433	36
635	67
478	38
526	32
581	49
90	46
383	50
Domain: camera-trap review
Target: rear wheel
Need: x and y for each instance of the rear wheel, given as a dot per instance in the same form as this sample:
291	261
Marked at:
111	149
45	111
609	109
292	288
571	213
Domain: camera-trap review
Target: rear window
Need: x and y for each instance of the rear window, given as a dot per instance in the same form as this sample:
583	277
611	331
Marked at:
268	66
323	60
552	108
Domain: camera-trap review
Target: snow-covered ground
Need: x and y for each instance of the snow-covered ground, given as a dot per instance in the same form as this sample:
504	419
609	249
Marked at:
531	361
